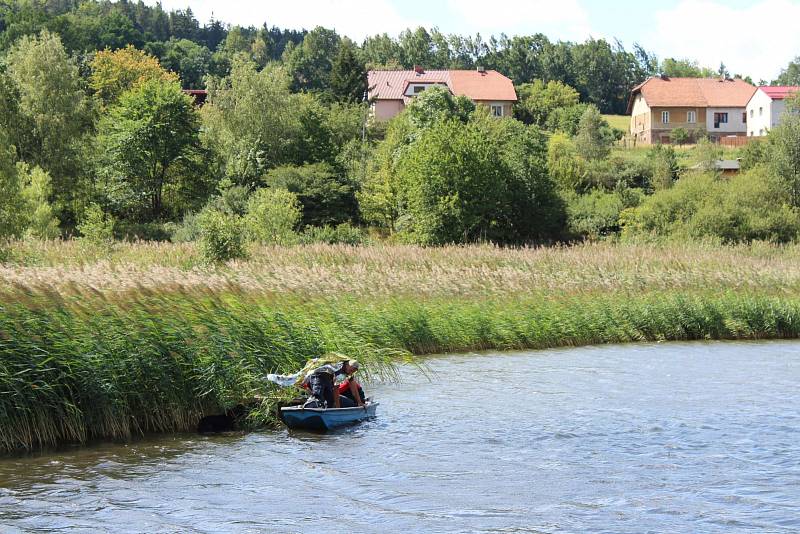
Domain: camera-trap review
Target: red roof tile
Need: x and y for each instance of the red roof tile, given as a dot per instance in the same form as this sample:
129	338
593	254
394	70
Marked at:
779	92
489	85
693	92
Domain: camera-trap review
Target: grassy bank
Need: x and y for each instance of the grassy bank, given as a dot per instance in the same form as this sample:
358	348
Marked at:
144	339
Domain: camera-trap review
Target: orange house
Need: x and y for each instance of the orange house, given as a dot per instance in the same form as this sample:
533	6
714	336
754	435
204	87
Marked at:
714	106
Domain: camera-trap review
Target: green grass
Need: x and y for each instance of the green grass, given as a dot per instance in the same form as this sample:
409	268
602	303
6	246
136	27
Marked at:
621	122
144	341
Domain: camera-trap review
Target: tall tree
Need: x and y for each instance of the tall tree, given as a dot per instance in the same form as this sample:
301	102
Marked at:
115	72
52	101
791	74
593	141
348	75
151	128
311	62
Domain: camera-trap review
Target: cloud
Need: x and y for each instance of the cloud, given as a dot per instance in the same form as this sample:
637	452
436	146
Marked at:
353	18
563	19
757	40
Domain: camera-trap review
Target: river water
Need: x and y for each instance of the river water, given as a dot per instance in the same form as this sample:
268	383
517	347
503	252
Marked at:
695	437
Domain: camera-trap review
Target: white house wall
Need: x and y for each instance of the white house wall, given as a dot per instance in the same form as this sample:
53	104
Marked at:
763	116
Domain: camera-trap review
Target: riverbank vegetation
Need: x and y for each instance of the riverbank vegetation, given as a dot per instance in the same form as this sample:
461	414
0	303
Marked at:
110	343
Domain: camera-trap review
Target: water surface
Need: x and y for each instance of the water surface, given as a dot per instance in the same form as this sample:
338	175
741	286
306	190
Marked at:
696	437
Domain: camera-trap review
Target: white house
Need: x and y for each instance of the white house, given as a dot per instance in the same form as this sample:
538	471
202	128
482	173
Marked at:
765	108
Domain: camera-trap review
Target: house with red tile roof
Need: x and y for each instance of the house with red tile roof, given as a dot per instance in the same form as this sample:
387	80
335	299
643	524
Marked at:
390	90
766	107
712	106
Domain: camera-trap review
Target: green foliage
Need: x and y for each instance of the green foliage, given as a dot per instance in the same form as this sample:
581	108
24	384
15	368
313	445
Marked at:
254	123
10	199
152	127
326	197
784	154
437	104
190	60
537	101
485	180
342	234
685	68
96	226
53	105
679	136
39	219
752	205
664	167
348	82
566	120
594	138
566	168
311	62
115	72
791	74
222	237
272	216
597	213
754	153
706	154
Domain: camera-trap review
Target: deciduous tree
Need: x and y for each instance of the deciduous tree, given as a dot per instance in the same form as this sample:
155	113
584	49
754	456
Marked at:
151	128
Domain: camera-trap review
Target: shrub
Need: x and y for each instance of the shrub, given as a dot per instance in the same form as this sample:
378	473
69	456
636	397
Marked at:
679	136
563	163
484	180
752	205
663	167
38	216
345	234
326	197
597	213
96	227
187	231
221	236
594	137
272	216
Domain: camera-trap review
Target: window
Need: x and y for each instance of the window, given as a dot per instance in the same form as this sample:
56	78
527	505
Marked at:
691	116
418	89
744	117
761	131
752	112
720	118
497	110
760	111
665	117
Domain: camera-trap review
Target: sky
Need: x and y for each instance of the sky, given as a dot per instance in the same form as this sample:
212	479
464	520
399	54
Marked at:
756	38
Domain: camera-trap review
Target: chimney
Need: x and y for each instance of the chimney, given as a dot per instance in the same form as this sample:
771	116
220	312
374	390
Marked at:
481	69
419	70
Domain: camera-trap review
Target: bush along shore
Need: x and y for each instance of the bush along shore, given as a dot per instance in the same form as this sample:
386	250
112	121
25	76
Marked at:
111	358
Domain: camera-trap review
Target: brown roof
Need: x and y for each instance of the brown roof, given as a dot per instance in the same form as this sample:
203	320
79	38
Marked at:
488	85
693	92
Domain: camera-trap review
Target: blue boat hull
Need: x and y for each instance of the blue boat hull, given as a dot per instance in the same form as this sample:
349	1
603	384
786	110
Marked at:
321	420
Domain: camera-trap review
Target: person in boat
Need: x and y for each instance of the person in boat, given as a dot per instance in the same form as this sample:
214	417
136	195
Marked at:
350	392
320	377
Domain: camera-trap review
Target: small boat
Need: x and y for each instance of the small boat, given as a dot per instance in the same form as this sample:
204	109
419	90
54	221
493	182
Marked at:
322	419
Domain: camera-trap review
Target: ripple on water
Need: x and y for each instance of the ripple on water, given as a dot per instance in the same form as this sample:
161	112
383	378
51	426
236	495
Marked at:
680	438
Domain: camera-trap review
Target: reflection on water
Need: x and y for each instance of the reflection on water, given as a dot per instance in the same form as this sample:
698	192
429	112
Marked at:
675	437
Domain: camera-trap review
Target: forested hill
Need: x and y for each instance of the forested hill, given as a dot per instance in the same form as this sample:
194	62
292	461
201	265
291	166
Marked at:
602	72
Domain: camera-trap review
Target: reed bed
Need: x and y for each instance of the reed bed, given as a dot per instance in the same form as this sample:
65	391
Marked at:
142	338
